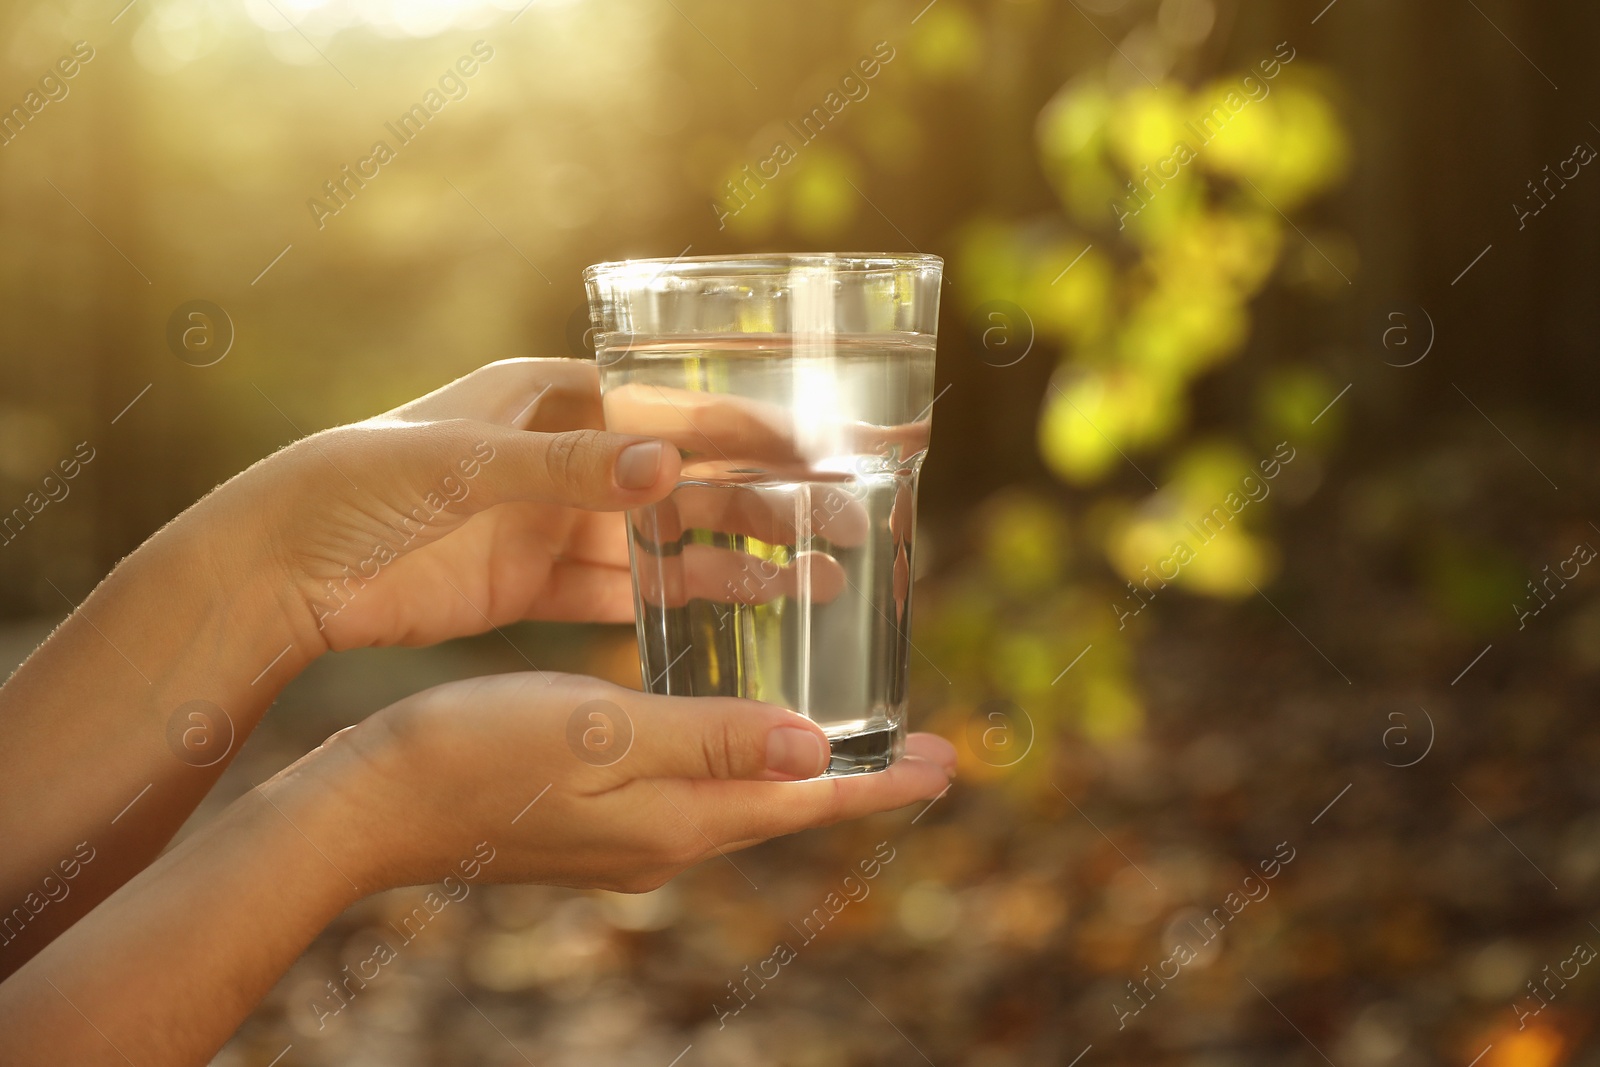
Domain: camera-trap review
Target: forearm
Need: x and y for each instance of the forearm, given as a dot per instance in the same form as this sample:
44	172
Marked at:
195	615
167	968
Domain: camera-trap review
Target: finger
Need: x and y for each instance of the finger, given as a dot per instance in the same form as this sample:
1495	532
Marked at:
716	737
756	811
719	432
769	515
527	527
587	469
932	748
584	592
704	424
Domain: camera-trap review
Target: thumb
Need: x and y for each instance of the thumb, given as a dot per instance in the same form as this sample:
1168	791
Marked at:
717	737
589	469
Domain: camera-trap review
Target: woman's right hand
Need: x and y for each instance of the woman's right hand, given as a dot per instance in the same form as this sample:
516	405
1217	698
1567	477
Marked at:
576	782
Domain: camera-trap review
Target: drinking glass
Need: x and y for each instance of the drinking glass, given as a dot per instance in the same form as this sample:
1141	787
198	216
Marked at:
798	390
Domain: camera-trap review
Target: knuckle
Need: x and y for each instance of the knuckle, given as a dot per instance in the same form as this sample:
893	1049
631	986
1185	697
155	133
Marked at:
567	457
407	721
400	732
717	747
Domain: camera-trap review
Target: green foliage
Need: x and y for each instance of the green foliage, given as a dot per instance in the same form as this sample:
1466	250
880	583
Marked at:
1191	214
1174	205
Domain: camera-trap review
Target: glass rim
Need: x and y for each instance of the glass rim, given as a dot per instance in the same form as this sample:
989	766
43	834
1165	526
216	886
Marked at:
756	264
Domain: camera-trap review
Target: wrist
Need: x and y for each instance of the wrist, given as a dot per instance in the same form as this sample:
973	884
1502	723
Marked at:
370	776
337	797
240	531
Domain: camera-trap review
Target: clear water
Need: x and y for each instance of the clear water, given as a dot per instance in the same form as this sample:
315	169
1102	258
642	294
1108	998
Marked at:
780	567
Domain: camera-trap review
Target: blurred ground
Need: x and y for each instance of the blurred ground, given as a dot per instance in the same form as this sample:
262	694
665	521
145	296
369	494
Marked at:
1428	825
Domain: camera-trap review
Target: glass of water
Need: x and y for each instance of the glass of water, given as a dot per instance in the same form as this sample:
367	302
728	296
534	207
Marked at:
798	390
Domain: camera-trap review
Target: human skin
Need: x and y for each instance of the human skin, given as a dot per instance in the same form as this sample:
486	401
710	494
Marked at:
157	961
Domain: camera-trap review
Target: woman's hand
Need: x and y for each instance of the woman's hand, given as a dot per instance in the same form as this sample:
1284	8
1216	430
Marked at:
487	780
575	782
494	499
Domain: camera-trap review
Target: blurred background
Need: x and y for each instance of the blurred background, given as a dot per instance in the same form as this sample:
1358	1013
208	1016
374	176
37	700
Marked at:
1304	287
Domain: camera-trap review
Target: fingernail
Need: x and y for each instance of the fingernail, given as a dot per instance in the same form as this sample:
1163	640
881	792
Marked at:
948	771
637	465
795	752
